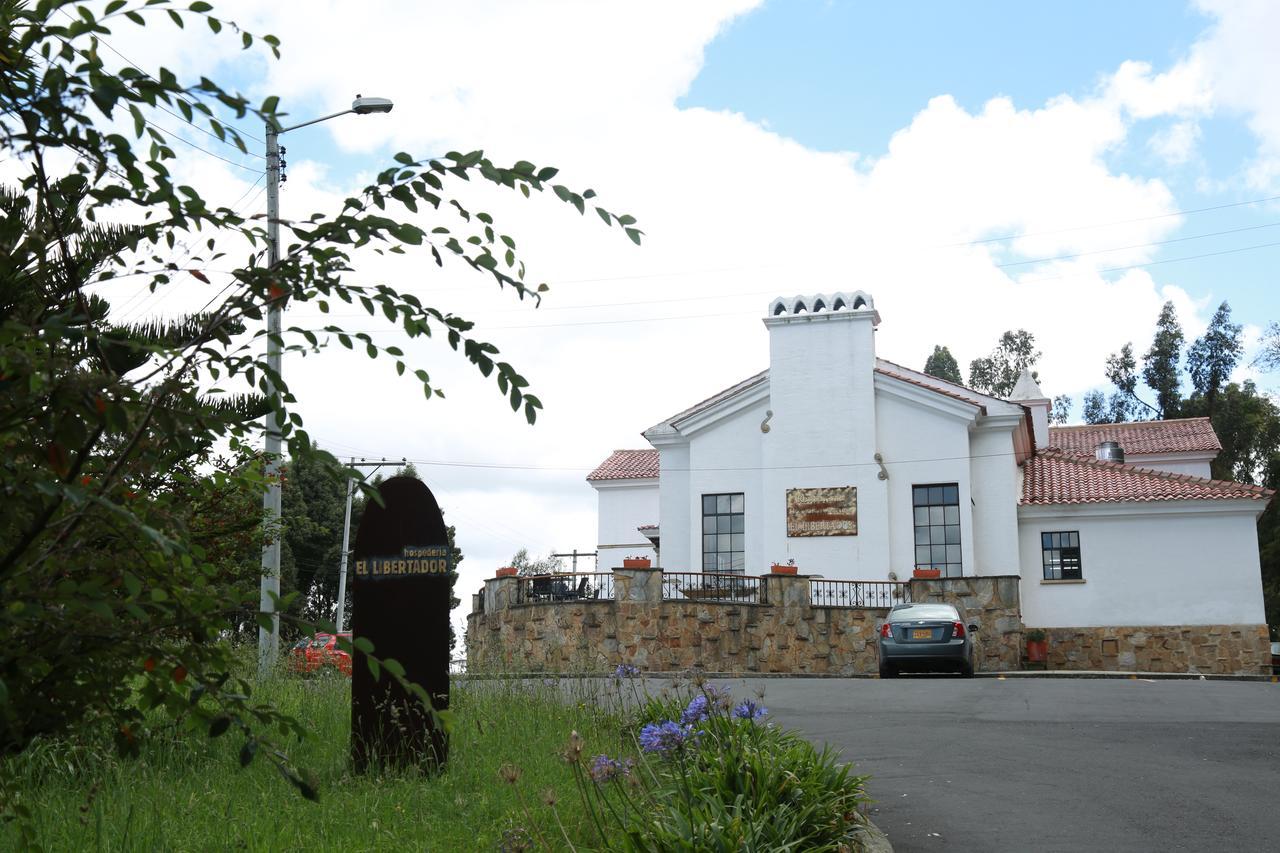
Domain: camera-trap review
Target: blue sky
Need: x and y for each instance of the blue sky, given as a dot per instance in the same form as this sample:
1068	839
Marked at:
845	76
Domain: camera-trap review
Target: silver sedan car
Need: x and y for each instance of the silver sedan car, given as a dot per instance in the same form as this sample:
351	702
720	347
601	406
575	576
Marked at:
925	638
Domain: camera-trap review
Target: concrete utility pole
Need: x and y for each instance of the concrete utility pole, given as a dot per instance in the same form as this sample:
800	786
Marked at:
346	534
269	589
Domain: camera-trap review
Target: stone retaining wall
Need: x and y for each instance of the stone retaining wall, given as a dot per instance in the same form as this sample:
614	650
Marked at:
1207	649
787	634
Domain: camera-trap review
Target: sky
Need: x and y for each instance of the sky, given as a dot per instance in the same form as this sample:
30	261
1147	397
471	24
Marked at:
1063	167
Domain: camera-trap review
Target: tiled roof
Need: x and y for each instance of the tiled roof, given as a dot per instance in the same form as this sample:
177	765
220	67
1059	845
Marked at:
1177	436
627	465
1053	477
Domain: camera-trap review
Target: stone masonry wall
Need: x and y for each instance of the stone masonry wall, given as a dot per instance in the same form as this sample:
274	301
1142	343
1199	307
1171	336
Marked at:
787	635
1207	649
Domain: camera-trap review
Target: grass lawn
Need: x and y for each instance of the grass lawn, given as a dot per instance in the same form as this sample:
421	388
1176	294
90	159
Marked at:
188	792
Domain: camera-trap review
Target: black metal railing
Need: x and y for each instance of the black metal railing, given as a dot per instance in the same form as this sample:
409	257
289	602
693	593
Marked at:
833	593
584	586
708	586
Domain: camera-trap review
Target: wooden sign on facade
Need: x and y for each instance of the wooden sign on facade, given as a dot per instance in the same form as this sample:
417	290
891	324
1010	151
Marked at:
822	512
400	602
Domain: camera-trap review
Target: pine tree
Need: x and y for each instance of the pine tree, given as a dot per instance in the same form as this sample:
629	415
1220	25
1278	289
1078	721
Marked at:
942	364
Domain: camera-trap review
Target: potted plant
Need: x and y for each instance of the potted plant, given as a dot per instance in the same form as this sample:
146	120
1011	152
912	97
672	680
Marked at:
635	563
787	568
927	573
1037	646
506	572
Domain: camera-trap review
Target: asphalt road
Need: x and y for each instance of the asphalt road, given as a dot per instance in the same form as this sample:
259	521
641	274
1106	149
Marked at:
1052	764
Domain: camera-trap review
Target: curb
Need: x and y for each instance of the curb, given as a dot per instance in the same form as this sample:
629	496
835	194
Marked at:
874	840
1135	674
1015	673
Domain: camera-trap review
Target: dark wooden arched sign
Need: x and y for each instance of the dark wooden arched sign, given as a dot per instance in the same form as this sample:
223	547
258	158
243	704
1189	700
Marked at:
400	602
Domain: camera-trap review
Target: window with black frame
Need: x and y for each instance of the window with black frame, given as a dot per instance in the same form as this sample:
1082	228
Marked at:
723	534
937	519
1061	555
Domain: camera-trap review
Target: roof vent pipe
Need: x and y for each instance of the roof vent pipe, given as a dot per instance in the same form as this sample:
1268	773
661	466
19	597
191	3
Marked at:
1110	451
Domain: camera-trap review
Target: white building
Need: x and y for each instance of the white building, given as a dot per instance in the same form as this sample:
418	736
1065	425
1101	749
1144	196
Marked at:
858	468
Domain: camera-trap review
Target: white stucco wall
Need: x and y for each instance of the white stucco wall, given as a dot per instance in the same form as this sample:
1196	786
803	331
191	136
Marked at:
1196	467
725	458
1180	563
922	446
624	505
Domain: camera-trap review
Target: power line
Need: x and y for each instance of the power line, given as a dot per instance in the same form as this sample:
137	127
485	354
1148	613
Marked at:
1138	245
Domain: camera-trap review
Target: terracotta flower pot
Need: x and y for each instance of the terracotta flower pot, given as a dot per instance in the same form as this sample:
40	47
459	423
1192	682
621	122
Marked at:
636	563
927	573
506	572
1037	651
783	569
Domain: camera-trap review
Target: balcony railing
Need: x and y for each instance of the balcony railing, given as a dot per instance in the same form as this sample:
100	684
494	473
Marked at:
833	593
708	586
585	586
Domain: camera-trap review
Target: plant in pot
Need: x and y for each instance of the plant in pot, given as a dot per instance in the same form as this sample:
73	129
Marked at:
636	563
787	568
927	573
1037	646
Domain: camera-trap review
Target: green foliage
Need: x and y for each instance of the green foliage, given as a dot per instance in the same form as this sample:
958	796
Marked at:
526	565
942	364
1060	413
186	791
998	373
122	544
1213	355
735	784
1160	364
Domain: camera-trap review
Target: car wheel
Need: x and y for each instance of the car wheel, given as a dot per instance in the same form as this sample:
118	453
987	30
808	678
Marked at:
888	672
966	670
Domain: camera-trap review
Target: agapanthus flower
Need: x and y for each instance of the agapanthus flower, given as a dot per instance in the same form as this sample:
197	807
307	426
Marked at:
605	769
749	710
664	737
697	710
625	670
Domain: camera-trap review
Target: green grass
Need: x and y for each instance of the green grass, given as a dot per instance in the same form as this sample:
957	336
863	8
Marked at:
188	792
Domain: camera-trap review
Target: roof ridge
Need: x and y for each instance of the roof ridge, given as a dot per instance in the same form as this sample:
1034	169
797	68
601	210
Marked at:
1152	422
1152	472
960	385
723	393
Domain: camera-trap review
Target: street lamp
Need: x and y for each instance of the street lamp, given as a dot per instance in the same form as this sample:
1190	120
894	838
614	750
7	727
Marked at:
269	641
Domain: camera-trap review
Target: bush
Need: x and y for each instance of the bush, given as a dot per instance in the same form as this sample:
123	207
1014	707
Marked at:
710	774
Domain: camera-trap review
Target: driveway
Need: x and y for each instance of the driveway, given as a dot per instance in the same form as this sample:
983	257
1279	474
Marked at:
1052	764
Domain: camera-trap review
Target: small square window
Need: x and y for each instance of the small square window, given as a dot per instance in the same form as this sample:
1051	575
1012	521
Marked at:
1061	555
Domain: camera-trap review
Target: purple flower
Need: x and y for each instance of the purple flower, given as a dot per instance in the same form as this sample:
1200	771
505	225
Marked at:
625	670
664	737
605	769
697	710
749	710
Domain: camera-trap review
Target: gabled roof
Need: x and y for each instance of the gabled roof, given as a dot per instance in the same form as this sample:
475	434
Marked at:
1141	437
885	368
1054	477
628	465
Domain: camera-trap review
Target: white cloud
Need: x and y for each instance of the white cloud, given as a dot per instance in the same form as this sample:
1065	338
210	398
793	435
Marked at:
1176	143
734	215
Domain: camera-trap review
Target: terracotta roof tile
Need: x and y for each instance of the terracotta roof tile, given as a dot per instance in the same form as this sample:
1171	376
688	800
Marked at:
1053	477
627	465
1175	436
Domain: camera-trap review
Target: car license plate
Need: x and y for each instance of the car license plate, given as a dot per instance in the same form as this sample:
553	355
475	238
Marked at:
921	633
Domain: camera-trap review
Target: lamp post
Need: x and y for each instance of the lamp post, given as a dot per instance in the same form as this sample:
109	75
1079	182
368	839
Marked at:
269	640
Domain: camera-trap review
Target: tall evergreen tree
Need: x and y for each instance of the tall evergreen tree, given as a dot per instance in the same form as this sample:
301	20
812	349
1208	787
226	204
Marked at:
1213	356
1160	364
942	364
998	373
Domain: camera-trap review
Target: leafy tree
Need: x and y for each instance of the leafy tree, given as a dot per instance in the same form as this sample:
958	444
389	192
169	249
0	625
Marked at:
1160	364
116	601
998	373
527	565
313	508
1213	356
1061	411
942	364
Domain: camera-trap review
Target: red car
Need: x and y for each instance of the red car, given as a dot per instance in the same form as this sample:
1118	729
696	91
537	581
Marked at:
311	653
